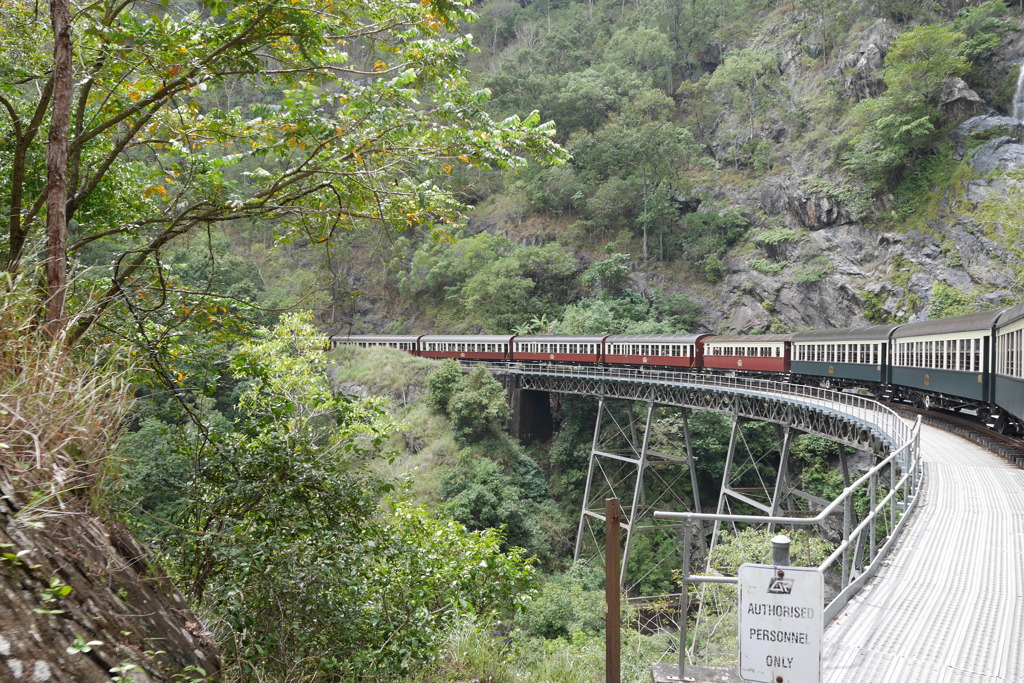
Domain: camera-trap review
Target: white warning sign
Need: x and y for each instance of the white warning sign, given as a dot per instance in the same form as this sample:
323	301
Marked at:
780	624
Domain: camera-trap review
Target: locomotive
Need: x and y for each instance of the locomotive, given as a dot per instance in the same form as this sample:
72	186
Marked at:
972	362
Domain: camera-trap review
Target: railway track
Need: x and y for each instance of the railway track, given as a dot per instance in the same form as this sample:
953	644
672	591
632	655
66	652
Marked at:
1010	448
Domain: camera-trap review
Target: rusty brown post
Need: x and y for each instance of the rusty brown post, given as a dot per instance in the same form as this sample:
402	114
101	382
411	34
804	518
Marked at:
612	594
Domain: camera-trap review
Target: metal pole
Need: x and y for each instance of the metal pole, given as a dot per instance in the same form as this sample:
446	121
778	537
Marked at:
689	456
782	476
726	477
637	492
612	625
684	601
590	475
874	522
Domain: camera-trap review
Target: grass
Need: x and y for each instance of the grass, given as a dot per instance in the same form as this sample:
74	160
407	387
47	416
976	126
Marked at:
60	409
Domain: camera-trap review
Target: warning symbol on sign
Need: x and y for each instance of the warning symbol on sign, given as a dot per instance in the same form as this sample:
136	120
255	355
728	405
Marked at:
780	586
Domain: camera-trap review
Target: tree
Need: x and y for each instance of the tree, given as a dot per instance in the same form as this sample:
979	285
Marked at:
891	130
356	115
314	568
749	75
629	167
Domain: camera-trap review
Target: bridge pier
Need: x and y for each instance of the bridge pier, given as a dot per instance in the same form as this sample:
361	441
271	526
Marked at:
530	418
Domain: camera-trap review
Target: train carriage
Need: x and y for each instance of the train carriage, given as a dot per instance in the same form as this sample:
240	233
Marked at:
946	362
559	349
763	353
1008	378
857	356
661	350
466	346
365	341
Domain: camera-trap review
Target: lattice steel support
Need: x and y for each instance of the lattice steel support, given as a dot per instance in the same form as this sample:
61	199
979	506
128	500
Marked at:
620	460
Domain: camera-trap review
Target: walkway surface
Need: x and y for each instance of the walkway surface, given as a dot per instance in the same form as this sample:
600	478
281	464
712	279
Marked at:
948	606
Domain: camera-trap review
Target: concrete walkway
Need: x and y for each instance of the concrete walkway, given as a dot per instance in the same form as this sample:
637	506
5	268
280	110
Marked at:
948	607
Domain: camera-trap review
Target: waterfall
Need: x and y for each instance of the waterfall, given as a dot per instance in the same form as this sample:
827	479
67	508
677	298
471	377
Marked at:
1018	97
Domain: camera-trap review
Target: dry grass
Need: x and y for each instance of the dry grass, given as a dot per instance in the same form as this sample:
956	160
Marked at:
60	410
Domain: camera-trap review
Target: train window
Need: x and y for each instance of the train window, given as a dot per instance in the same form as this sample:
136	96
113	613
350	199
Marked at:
1020	352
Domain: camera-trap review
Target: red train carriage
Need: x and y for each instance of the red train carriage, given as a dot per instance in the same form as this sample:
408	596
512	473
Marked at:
466	346
764	353
559	349
660	350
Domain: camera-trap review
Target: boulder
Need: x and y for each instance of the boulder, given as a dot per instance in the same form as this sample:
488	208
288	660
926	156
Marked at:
959	101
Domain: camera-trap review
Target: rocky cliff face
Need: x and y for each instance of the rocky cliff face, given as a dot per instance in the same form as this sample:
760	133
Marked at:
81	604
852	274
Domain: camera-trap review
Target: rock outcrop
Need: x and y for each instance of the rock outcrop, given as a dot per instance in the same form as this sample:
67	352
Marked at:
814	211
861	71
81	604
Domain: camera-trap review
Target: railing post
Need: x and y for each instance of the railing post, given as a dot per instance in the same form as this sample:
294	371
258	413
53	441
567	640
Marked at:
874	519
780	550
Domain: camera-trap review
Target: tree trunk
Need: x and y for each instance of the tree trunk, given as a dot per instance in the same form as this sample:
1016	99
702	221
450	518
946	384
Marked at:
57	167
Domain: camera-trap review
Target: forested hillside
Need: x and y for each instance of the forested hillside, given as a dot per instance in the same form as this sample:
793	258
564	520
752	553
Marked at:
194	192
736	166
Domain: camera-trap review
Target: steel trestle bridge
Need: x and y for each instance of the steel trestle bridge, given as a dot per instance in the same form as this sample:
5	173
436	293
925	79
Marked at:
622	459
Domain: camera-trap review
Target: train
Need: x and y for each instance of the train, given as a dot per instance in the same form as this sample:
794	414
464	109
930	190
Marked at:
970	363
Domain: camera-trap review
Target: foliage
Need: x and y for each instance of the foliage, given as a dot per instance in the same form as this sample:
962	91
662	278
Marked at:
442	384
983	25
628	169
567	604
608	276
334	130
775	236
749	76
299	549
754	546
889	131
477	407
706	235
947	301
807	274
487	281
766	267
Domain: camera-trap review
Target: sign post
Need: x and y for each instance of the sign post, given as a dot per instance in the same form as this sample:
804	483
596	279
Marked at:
780	623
